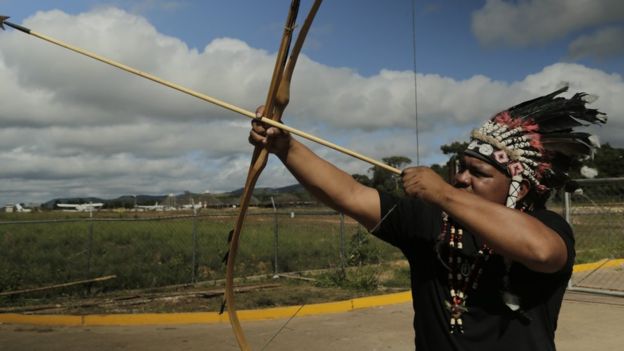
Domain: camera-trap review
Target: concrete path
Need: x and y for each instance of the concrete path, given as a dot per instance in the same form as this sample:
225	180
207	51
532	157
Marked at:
586	322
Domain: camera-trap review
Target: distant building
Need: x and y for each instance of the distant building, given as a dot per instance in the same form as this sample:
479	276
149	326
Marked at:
17	207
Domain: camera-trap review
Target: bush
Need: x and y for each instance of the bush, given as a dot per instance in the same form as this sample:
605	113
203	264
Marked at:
361	249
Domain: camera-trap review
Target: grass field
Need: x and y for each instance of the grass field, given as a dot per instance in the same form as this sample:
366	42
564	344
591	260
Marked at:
162	251
149	250
598	235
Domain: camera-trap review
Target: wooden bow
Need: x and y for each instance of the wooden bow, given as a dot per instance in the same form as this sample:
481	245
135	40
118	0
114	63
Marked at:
277	100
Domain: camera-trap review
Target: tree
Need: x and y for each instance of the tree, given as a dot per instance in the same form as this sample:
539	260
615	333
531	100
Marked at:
386	181
363	179
455	148
609	162
382	179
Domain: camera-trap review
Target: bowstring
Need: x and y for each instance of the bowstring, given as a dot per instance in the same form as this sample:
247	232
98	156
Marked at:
383	218
282	328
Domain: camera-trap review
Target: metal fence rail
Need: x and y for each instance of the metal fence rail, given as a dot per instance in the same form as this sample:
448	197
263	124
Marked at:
161	251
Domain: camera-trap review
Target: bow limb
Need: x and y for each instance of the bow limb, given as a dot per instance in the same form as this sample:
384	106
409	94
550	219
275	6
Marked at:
258	162
283	93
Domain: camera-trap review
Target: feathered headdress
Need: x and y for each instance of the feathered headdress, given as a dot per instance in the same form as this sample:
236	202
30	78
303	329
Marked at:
535	140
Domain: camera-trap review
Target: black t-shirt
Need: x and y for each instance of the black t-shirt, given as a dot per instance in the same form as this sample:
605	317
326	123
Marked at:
414	227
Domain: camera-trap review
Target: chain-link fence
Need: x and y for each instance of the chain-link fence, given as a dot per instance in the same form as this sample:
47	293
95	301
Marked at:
153	251
147	252
596	212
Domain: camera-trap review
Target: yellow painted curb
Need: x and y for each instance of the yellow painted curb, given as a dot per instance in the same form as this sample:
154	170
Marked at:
205	317
602	263
244	315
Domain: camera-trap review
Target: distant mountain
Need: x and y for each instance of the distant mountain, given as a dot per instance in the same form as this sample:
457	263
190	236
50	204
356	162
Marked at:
288	195
295	188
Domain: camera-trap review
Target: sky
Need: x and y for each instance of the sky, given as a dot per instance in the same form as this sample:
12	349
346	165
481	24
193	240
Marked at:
73	127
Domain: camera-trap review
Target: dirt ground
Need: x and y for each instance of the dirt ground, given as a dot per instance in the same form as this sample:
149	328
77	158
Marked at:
586	322
263	291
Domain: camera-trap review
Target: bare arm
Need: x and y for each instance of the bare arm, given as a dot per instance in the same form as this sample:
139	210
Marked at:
509	232
332	186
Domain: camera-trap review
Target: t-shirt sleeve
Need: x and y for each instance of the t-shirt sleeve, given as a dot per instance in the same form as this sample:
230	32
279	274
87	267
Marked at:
558	224
405	221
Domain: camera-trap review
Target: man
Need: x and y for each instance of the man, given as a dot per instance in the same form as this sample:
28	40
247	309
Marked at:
489	264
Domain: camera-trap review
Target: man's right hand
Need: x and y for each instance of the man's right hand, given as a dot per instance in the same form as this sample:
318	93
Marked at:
424	183
276	140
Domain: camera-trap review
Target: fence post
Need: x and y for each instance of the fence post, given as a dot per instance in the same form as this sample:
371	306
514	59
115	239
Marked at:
89	251
566	202
194	255
276	235
342	242
566	211
89	248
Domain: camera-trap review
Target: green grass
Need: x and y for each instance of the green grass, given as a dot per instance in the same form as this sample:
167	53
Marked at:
148	253
159	252
598	236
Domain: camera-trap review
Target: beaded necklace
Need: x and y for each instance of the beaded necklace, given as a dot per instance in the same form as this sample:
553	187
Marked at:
462	276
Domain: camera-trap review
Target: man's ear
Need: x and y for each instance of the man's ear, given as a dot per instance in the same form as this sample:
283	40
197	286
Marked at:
525	187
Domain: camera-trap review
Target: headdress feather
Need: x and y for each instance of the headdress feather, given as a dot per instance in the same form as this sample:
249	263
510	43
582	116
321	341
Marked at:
540	139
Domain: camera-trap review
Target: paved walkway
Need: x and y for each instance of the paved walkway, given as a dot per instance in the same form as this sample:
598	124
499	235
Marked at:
586	322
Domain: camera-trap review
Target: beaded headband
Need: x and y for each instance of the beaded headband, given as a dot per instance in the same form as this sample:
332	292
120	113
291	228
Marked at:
536	141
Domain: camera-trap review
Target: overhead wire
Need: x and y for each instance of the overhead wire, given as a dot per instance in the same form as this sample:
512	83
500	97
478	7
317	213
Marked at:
415	82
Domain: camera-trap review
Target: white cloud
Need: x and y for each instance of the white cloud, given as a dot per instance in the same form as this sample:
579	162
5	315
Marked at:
605	43
143	6
75	127
523	23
